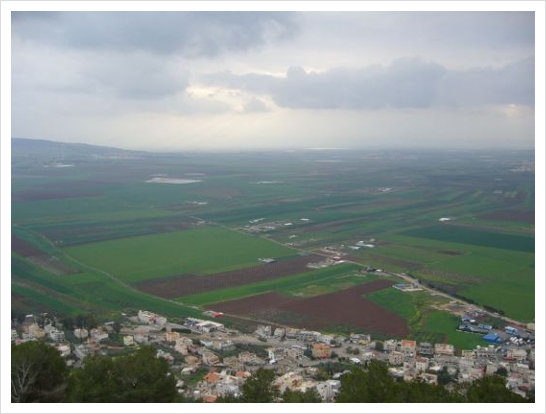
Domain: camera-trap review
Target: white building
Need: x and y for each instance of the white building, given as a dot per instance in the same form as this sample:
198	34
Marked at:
421	364
151	318
56	335
396	358
64	349
444	349
328	389
98	334
128	340
81	333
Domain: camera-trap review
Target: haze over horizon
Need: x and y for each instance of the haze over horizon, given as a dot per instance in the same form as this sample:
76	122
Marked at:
177	81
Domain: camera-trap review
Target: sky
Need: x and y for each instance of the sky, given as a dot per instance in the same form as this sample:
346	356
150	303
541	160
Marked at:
284	79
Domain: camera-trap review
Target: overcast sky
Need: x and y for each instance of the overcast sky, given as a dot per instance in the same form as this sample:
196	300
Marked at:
230	80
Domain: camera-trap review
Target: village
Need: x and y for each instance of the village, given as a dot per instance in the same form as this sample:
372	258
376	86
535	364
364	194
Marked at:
210	360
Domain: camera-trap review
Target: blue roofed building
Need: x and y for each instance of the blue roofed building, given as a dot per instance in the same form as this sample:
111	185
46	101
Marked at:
492	338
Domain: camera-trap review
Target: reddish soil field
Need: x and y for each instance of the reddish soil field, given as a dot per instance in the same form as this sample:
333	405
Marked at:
450	252
347	307
23	248
511	215
183	285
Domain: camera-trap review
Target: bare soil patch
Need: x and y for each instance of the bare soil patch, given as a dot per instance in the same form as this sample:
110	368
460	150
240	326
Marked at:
450	252
23	248
183	285
347	307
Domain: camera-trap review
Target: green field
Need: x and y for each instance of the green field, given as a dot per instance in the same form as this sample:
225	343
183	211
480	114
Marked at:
445	324
465	235
426	324
201	250
478	273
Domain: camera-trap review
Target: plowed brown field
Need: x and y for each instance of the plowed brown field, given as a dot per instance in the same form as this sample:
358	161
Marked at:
182	285
23	248
347	307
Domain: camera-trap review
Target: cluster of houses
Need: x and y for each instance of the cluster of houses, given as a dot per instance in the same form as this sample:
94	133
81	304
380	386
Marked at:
206	348
259	226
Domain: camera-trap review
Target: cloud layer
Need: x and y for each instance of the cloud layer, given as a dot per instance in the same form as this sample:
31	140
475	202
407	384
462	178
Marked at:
405	83
274	79
190	34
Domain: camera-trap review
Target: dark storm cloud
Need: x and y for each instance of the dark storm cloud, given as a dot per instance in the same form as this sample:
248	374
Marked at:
190	34
405	83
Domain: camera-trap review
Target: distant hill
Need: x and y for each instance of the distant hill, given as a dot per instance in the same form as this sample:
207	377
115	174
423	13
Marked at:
31	148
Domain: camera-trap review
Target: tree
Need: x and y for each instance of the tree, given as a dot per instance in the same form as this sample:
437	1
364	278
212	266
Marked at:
491	389
96	382
139	377
444	377
259	388
418	391
38	373
371	383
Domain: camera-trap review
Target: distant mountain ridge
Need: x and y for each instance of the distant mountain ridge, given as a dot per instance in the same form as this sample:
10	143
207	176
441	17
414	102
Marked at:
25	147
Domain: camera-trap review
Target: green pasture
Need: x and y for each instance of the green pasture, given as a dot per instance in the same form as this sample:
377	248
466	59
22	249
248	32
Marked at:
84	209
415	306
517	302
444	323
465	235
412	253
396	301
293	285
329	285
37	301
492	268
99	291
482	274
30	273
200	250
90	291
88	232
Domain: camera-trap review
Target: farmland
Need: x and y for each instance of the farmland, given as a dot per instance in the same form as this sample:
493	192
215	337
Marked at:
347	307
108	235
202	250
